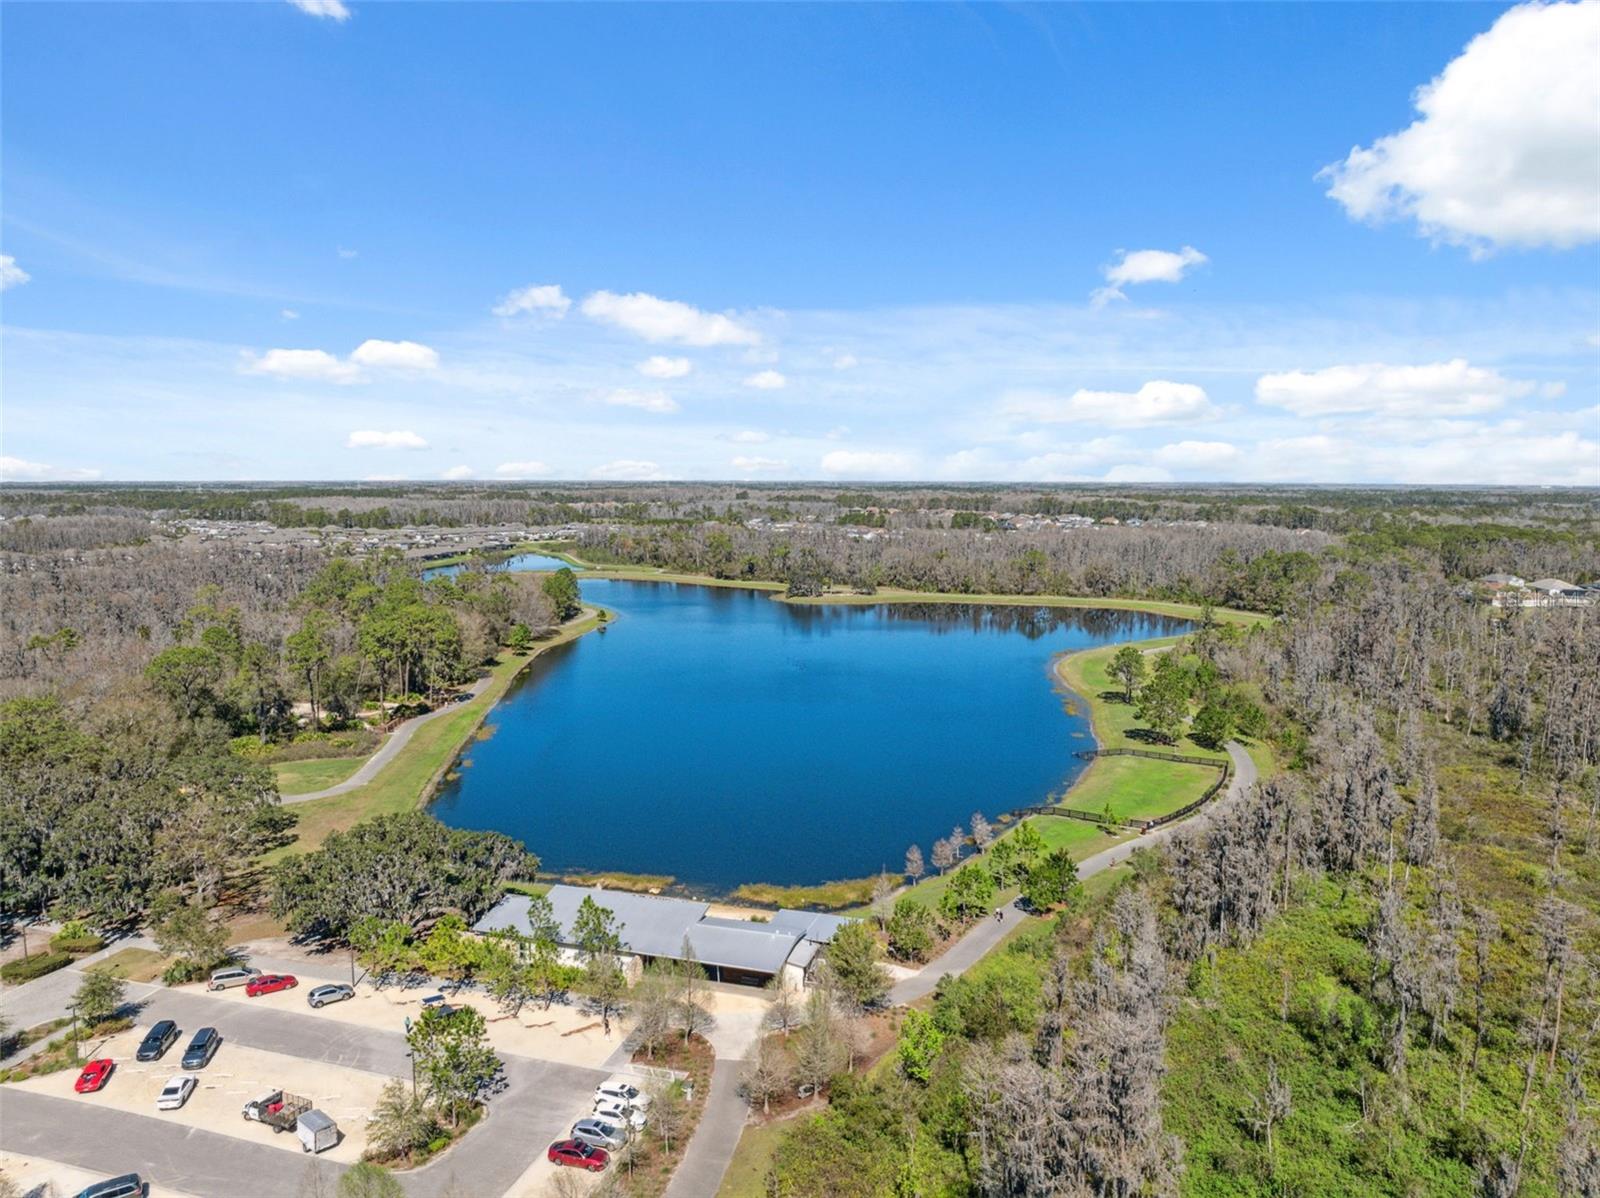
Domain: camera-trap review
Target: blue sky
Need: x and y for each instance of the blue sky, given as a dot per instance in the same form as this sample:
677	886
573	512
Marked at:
1149	242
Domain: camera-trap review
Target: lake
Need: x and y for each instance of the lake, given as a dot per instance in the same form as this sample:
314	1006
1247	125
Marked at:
520	562
721	737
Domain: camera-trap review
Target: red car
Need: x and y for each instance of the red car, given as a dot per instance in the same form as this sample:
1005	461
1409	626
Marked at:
95	1074
270	983
576	1152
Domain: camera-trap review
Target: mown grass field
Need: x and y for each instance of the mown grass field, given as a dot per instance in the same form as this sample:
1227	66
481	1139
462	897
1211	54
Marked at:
304	777
410	777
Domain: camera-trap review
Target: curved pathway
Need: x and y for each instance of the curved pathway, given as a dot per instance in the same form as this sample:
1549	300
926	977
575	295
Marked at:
401	736
964	953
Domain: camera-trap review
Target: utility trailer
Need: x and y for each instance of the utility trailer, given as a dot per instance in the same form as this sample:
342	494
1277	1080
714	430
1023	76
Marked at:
317	1132
277	1110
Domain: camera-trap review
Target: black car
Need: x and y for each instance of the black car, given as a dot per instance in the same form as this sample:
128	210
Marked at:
201	1049
156	1041
129	1185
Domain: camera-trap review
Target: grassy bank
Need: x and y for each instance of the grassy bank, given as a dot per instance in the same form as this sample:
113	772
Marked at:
829	896
410	778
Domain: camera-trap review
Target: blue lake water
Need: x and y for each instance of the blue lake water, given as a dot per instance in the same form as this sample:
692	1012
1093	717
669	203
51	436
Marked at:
522	561
721	737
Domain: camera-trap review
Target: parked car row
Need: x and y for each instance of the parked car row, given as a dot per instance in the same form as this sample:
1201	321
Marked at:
620	1110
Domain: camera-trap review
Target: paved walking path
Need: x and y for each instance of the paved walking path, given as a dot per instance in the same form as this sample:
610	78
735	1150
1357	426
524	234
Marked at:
966	952
399	738
699	1174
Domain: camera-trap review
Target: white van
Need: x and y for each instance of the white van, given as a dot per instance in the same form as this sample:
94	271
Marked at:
238	975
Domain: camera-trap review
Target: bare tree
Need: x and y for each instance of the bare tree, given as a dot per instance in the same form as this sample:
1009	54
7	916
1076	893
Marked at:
1271	1107
945	854
882	900
784	1014
915	868
982	831
767	1075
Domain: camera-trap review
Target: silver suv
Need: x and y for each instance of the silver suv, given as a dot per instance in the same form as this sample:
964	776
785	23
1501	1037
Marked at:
223	979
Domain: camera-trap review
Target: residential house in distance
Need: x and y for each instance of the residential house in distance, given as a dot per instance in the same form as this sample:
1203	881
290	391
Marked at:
656	927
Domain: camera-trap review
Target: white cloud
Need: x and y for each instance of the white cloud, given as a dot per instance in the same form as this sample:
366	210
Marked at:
395	355
11	275
1506	150
1135	473
348	254
1146	266
368	438
458	472
750	436
1196	455
646	401
316	365
845	362
746	465
13	470
289	314
627	470
659	367
1503	453
546	298
666	320
522	470
766	380
1452	388
333	10
1156	402
862	463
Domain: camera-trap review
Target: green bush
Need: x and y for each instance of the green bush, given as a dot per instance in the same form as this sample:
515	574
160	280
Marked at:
76	945
29	968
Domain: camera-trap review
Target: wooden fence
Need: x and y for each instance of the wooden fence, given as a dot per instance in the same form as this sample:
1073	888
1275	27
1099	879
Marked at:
1222	767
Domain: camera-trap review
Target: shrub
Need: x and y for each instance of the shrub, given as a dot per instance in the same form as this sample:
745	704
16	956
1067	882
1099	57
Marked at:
77	945
36	966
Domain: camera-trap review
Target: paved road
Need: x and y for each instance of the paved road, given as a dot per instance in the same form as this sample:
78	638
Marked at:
966	952
537	1104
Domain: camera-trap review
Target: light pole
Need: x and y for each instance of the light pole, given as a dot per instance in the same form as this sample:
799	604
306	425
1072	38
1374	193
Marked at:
412	1057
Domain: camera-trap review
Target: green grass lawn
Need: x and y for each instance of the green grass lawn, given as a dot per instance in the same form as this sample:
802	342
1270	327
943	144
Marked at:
1138	787
133	964
303	777
408	779
1116	724
747	1172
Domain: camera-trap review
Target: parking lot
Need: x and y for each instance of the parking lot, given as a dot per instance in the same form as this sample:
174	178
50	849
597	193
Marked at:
339	1056
235	1075
563	1033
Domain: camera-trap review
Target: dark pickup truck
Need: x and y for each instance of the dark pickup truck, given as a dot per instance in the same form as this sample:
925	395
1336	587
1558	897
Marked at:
277	1110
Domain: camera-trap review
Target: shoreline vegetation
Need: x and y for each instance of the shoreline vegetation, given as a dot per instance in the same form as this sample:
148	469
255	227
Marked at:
409	781
1131	787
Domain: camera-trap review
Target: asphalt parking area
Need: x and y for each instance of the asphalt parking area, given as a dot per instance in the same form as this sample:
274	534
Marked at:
235	1075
